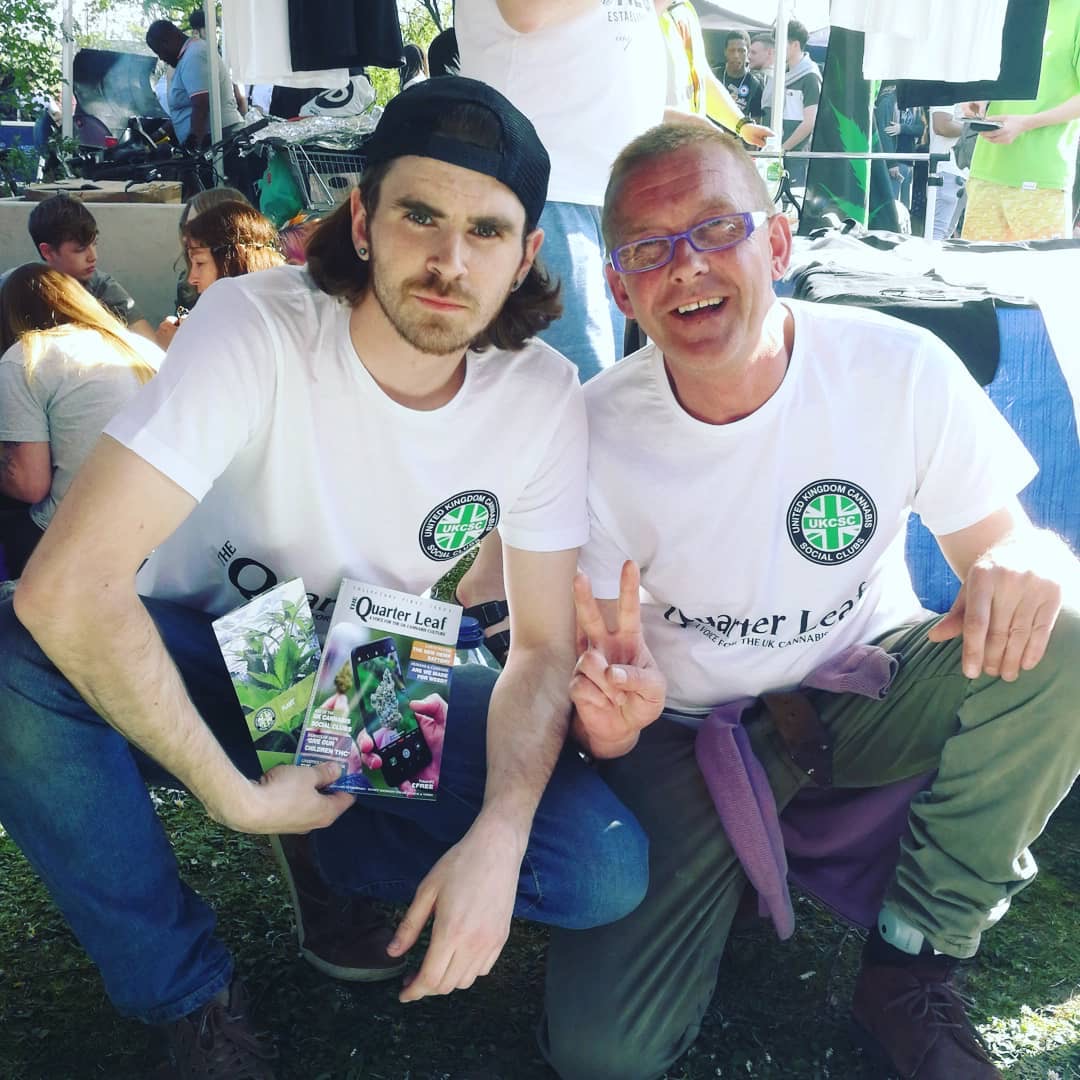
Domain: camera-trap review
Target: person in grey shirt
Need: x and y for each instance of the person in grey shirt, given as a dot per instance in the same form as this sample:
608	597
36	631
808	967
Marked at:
66	366
65	235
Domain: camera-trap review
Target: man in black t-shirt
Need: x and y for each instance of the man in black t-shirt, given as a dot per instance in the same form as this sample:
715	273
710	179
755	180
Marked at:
744	85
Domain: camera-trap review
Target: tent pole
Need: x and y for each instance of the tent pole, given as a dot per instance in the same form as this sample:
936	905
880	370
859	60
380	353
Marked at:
210	8
67	65
779	71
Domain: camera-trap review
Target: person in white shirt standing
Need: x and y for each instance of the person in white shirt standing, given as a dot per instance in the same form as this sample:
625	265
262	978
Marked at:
945	132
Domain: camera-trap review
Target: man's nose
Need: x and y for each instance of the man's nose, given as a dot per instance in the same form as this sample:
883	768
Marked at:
449	257
686	260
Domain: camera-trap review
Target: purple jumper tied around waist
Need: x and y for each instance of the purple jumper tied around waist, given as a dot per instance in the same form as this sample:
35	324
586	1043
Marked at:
863	824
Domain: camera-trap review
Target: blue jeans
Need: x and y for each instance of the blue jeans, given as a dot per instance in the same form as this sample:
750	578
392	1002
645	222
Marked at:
73	797
590	331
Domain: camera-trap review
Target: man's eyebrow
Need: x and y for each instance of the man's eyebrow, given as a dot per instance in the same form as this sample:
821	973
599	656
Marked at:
418	206
721	207
493	221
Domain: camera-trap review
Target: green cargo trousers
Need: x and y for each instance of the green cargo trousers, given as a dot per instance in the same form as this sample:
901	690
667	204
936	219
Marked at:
625	1000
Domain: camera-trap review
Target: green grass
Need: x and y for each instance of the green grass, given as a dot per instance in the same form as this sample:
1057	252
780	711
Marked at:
780	1009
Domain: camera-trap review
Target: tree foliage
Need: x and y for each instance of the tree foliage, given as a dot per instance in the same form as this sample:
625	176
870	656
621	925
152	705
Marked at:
29	47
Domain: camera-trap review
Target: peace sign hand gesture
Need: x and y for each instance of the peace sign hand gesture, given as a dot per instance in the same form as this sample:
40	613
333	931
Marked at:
617	689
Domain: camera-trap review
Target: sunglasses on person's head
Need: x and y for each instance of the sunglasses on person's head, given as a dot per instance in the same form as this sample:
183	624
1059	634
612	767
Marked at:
714	234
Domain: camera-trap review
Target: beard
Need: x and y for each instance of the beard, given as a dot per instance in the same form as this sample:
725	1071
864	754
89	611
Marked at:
432	332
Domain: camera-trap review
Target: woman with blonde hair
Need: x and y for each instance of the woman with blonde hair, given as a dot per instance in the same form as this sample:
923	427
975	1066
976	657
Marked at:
66	366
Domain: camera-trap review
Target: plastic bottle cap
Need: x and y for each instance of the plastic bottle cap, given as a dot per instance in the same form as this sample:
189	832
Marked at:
470	633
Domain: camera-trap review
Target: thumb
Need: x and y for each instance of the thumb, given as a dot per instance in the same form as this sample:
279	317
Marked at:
327	773
952	624
645	682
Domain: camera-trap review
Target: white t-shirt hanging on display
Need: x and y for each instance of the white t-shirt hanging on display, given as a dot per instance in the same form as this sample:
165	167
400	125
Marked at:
257	36
958	41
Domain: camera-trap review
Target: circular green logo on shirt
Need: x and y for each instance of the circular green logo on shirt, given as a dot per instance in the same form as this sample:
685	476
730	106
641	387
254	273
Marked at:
458	523
831	521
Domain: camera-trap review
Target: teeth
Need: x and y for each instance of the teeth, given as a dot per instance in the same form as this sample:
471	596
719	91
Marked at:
715	301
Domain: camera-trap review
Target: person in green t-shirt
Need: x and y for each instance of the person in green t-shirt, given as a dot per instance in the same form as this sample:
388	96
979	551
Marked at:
1022	172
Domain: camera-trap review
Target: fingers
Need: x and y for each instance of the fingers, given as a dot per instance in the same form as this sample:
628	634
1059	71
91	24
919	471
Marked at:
591	625
950	626
1040	636
413	921
1005	621
646	683
592	667
447	968
629	608
432	706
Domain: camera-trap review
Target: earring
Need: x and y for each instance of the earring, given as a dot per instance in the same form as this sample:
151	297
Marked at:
361	253
517	285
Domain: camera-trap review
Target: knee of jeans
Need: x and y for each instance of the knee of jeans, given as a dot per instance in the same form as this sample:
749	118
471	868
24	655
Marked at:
612	873
23	666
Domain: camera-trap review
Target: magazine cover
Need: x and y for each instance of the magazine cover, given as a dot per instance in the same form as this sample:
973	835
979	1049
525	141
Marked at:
272	653
382	691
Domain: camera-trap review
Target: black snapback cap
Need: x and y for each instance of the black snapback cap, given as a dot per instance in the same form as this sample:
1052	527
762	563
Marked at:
411	124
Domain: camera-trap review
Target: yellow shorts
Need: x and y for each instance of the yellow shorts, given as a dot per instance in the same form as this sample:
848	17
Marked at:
997	212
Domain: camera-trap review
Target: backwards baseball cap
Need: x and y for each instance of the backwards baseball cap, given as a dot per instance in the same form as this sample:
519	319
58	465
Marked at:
422	121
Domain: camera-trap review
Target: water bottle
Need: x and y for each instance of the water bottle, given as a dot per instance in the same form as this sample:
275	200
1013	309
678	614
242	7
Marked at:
470	645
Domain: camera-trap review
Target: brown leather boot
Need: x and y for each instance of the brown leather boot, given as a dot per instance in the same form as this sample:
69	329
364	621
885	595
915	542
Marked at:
344	937
217	1042
914	1018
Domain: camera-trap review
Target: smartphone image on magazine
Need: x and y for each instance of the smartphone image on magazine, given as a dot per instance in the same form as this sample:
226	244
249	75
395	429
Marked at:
384	707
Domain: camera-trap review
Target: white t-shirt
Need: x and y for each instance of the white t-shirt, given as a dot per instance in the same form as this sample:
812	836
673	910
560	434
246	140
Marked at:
771	543
925	39
303	466
79	382
257	34
589	85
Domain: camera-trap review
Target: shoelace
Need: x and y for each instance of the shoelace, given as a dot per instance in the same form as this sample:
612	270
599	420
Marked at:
228	1048
934	1001
941	1006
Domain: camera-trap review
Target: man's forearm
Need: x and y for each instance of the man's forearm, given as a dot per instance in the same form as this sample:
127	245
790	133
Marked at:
1059	114
527	726
200	117
127	676
803	131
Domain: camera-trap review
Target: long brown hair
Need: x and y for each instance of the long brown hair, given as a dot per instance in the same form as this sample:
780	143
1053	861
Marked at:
39	304
240	240
339	271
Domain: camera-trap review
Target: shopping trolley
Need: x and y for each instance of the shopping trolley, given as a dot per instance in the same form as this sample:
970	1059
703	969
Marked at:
324	175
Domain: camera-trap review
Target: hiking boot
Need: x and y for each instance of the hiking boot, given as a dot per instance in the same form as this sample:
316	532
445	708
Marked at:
344	937
914	1019
217	1042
